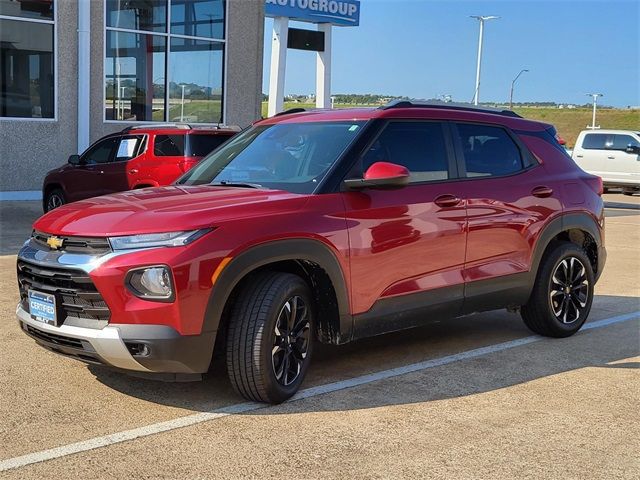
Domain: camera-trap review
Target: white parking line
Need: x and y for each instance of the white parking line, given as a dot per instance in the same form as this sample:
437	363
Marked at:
196	418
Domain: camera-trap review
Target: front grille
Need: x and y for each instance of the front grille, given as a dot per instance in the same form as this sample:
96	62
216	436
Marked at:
78	301
53	338
88	245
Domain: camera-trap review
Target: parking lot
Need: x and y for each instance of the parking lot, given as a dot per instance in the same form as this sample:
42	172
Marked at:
475	397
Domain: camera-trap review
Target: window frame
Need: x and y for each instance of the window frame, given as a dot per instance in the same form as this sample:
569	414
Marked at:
529	162
167	64
116	138
54	22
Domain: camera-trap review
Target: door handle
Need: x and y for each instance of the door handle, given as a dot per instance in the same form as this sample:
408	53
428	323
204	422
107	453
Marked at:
447	200
611	157
133	171
101	172
542	192
579	156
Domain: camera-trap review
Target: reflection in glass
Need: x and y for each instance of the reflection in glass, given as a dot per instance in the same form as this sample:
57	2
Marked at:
195	81
148	15
26	69
198	18
134	76
41	9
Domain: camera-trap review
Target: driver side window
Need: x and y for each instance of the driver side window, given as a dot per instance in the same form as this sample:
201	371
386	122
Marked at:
100	152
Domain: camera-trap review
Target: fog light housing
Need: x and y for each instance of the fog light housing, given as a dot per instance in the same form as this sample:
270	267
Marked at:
151	283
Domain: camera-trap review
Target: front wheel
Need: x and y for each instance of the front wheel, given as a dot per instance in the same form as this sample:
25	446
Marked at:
562	295
269	342
54	199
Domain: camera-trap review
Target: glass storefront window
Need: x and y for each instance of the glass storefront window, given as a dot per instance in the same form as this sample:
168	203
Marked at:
26	69
135	76
150	15
145	37
40	9
198	18
195	94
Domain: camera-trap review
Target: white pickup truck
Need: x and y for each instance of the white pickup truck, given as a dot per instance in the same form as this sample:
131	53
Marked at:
613	155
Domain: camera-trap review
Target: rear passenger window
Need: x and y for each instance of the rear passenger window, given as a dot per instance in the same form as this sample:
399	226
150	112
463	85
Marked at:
169	146
595	141
488	151
418	146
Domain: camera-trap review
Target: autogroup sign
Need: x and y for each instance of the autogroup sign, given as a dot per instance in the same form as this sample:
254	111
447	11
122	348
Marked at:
336	12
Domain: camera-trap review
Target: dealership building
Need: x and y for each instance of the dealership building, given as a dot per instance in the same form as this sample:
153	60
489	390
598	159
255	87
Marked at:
73	71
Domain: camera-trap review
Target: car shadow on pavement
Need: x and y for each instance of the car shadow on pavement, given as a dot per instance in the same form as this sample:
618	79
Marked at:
593	348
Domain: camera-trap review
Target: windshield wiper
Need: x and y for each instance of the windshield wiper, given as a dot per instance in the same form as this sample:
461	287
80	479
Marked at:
225	183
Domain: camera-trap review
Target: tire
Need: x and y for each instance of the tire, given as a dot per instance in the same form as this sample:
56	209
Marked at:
256	354
551	311
54	199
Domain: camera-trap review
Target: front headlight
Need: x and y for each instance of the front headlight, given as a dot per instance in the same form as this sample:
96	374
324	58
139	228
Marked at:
148	240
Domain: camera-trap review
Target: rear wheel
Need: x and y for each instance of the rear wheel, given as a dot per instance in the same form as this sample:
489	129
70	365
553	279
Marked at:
561	298
269	342
54	199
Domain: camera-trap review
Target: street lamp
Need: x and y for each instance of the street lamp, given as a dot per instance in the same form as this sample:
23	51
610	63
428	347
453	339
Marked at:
182	103
513	82
595	101
481	19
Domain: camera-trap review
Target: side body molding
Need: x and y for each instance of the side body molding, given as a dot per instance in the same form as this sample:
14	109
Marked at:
277	251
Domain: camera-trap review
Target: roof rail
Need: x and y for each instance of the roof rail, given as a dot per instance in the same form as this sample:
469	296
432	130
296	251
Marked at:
448	106
181	126
290	111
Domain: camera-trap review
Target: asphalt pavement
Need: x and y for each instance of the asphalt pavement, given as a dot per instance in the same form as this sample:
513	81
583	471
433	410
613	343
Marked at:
475	397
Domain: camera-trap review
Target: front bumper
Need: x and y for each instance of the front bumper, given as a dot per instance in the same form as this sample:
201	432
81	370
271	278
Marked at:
116	345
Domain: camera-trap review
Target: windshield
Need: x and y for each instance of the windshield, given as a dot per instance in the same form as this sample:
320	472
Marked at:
288	156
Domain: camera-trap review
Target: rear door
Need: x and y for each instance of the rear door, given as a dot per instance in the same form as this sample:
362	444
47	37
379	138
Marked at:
407	245
121	173
591	154
164	166
509	198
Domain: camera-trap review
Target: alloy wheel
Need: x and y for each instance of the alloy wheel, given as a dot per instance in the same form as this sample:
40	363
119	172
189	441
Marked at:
291	341
569	290
54	201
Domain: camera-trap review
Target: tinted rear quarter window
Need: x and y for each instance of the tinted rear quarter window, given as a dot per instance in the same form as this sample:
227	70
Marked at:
488	151
169	146
201	145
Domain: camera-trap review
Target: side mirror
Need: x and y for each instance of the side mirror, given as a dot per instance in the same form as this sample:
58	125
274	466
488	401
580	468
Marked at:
381	174
632	149
74	159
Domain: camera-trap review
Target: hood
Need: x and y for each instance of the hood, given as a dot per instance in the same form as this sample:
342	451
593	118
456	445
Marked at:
165	209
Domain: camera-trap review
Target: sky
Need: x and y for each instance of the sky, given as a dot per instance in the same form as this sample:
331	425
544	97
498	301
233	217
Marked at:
426	48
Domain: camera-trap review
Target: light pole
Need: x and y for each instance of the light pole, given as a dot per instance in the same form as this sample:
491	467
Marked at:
513	82
595	102
182	103
481	19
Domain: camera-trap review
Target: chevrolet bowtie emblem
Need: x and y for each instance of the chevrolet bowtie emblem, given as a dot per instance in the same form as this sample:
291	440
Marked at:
55	242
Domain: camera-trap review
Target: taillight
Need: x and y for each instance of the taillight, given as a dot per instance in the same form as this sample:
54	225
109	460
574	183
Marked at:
596	184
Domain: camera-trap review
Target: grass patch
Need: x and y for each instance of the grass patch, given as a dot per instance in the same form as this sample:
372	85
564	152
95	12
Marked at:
568	122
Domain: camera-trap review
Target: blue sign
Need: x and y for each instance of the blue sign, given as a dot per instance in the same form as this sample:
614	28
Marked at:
336	12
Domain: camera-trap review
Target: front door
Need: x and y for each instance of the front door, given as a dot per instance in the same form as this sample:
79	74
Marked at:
407	245
87	179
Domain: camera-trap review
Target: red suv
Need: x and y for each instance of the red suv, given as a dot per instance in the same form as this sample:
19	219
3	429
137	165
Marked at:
322	226
136	157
